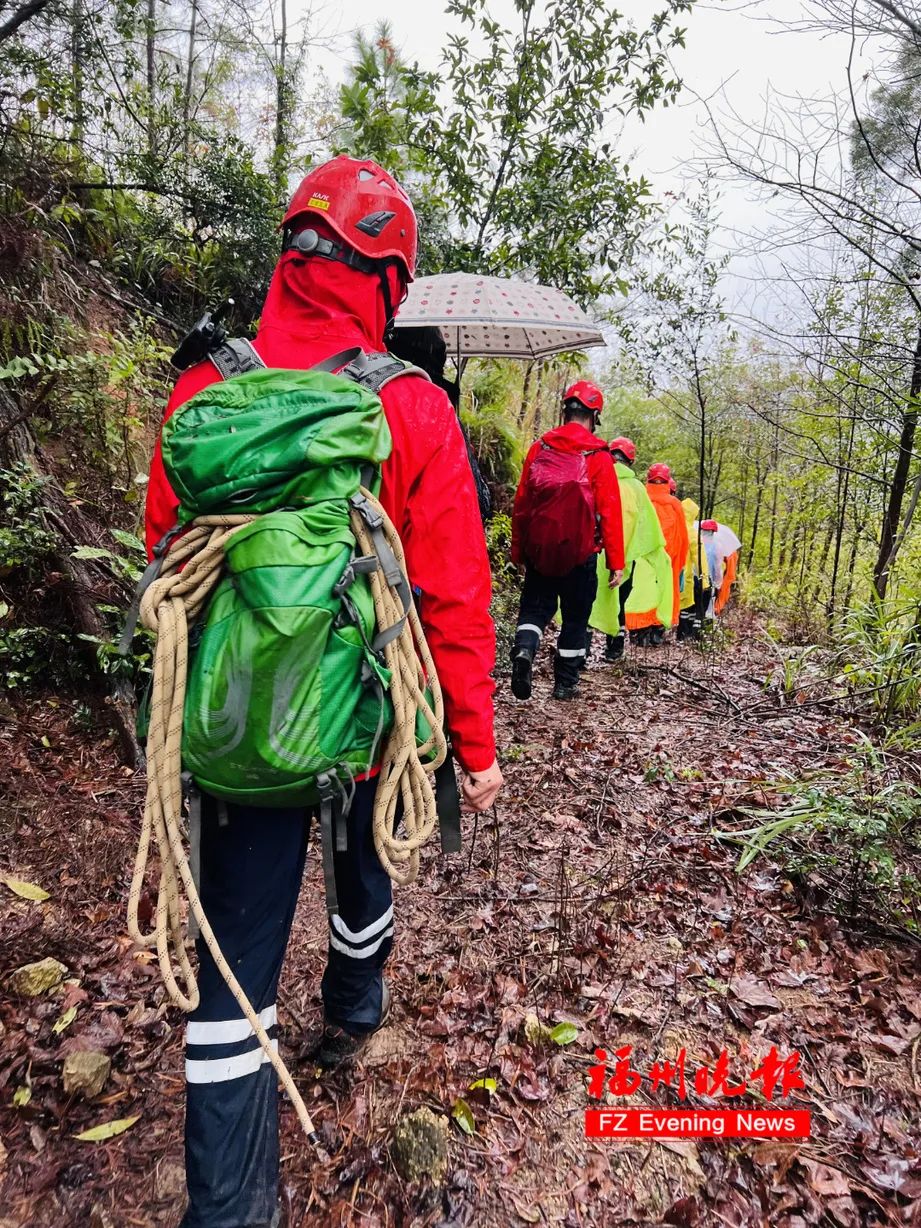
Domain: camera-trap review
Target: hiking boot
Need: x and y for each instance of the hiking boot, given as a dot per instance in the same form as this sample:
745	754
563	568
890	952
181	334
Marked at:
615	648
521	675
564	691
337	1045
657	637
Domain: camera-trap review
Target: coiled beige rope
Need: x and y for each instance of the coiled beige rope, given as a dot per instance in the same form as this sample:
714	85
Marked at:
190	571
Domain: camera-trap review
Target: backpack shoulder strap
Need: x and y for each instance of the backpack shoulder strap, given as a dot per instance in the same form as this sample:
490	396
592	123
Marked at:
235	356
374	371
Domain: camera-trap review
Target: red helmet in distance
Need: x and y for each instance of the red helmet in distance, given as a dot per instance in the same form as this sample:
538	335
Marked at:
708	526
364	205
659	473
626	447
672	486
587	394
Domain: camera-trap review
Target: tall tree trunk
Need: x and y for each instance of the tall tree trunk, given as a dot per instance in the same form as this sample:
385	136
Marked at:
821	568
19	17
151	38
282	109
844	490
893	513
77	52
525	393
743	499
189	82
759	499
851	565
775	461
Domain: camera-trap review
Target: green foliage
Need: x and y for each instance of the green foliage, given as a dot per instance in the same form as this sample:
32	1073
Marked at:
508	137
505	585
882	662
497	446
25	541
564	1034
377	103
214	238
30	656
854	833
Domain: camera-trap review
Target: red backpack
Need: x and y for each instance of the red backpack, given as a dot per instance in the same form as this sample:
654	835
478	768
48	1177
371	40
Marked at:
558	526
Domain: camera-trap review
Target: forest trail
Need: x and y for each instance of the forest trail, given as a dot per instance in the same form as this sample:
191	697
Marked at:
610	808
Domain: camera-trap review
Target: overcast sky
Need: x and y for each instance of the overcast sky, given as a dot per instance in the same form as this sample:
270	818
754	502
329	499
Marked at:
735	58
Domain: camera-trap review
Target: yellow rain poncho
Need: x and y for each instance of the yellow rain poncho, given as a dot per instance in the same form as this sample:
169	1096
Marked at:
644	550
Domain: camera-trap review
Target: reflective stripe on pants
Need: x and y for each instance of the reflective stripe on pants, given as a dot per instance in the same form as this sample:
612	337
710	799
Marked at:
252	866
574	593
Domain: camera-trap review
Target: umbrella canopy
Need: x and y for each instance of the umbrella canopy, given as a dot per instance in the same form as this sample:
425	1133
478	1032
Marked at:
726	540
498	317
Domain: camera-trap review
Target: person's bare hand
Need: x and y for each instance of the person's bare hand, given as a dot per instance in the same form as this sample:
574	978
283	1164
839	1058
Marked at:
480	788
616	578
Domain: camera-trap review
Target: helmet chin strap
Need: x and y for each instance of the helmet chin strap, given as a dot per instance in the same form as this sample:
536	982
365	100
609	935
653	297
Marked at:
389	313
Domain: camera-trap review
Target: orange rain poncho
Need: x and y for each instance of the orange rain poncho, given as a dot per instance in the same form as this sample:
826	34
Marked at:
675	531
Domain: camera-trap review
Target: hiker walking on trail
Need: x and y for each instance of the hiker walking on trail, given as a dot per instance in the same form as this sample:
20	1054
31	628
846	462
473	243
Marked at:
728	549
647	570
567	510
348	253
708	530
675	531
696	577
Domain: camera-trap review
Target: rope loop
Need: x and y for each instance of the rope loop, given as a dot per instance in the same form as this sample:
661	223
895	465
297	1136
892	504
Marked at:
170	606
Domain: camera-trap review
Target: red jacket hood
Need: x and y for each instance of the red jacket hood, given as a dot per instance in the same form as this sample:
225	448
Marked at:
572	437
315	308
313	299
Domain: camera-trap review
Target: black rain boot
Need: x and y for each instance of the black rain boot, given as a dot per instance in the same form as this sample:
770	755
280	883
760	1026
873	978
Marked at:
337	1046
522	662
615	648
583	663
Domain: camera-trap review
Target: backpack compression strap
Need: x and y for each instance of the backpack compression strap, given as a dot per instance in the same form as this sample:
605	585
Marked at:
373	371
237	356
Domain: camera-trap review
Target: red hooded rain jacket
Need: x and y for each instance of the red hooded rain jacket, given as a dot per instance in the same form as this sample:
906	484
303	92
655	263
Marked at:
573	437
314	309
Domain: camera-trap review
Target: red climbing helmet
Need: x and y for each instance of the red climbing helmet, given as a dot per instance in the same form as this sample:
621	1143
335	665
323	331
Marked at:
672	486
626	447
364	205
587	394
708	526
659	473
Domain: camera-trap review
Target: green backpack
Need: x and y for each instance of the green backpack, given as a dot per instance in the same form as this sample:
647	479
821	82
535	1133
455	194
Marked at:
287	687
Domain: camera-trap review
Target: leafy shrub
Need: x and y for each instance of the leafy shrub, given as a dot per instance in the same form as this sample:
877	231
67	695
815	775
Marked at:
25	542
498	451
30	656
882	659
505	585
854	836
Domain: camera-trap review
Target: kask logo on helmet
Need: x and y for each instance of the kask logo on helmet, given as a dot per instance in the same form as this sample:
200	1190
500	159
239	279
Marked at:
318	202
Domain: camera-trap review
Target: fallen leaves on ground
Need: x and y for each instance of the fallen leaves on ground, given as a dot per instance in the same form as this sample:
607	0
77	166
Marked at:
601	906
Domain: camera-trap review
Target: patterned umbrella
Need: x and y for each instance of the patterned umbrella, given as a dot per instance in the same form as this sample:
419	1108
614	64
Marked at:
498	317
